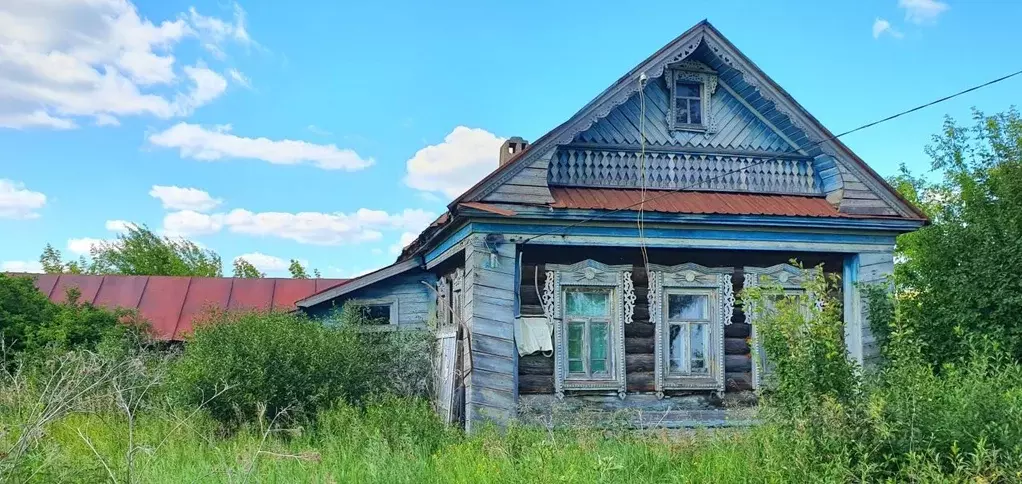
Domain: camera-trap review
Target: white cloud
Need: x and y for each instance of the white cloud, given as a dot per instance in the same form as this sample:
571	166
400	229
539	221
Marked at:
317	130
266	263
120	226
215	32
61	60
83	246
32	266
178	198
923	11
18	202
194	141
406	238
315	228
186	223
239	78
882	26
465	156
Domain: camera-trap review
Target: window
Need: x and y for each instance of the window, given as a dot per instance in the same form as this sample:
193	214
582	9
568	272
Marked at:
689	305
789	278
380	311
688	334
377	313
687	103
691	86
588	304
587	314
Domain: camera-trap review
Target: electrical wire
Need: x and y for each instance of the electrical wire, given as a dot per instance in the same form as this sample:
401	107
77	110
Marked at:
767	160
642	173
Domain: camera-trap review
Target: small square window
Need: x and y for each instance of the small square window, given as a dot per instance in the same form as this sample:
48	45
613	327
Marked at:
376	313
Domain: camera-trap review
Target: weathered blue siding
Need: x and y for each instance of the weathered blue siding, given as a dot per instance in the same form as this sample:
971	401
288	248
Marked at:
415	301
738	128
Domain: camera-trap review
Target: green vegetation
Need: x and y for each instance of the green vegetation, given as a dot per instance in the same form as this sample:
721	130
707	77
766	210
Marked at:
959	278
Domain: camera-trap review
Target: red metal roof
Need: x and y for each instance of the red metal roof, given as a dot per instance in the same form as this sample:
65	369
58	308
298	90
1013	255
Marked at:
171	304
693	202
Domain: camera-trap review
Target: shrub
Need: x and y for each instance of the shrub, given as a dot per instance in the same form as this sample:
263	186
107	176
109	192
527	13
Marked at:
30	323
279	363
906	419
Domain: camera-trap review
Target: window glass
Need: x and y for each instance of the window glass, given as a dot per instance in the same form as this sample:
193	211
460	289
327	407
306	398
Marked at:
695	113
686	306
582	303
598	341
697	333
687	89
677	354
576	332
377	313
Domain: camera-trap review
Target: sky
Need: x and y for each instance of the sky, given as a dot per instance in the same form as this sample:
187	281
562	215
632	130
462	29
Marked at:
333	132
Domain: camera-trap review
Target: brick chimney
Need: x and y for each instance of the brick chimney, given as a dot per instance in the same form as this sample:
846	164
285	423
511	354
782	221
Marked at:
511	148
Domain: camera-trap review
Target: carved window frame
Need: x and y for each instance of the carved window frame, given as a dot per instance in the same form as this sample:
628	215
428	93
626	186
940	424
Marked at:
791	279
589	274
690	278
699	73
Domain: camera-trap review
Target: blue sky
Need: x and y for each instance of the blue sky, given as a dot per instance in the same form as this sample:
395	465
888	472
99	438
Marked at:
330	131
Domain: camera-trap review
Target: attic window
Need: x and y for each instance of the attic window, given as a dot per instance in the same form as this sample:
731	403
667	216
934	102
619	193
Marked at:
692	85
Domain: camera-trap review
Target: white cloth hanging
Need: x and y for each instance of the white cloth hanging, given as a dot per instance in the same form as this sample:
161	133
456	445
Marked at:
533	334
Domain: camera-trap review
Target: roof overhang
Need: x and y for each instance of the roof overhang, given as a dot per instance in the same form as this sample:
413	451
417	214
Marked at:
360	282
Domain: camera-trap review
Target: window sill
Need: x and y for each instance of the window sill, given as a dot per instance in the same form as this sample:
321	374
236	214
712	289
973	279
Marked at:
698	128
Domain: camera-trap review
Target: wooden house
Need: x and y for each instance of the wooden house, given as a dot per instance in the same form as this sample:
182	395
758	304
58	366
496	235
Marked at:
625	234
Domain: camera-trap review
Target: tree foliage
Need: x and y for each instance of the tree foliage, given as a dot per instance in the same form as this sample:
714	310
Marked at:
959	279
31	322
245	270
53	263
297	271
140	252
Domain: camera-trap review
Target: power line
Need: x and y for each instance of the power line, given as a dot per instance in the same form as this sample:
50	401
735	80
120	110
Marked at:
767	160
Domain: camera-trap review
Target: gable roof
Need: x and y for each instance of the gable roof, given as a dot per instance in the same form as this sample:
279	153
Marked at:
172	304
813	137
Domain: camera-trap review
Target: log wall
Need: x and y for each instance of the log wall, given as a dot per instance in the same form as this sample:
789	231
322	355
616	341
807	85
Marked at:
536	371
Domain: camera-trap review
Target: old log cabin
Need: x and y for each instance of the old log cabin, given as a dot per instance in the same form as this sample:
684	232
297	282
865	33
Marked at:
601	262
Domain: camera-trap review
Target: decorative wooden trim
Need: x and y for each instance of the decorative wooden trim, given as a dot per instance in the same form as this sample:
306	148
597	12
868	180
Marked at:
717	282
700	73
589	273
595	167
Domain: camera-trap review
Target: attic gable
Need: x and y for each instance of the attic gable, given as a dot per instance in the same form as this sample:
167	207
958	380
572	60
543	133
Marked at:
755	115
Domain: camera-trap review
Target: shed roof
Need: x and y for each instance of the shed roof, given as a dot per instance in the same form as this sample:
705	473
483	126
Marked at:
171	304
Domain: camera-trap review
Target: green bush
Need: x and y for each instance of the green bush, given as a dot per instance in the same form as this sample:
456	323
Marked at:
267	364
906	419
30	323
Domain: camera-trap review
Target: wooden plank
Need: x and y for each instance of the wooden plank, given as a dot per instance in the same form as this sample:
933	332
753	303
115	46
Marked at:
490	397
513	198
640	327
491	363
737	330
481	326
494	346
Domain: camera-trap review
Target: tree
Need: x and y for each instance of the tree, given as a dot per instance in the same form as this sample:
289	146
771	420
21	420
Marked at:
140	252
245	270
53	263
959	278
297	271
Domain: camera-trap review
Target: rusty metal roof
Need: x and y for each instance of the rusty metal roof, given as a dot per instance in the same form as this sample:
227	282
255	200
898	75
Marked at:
717	203
171	304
